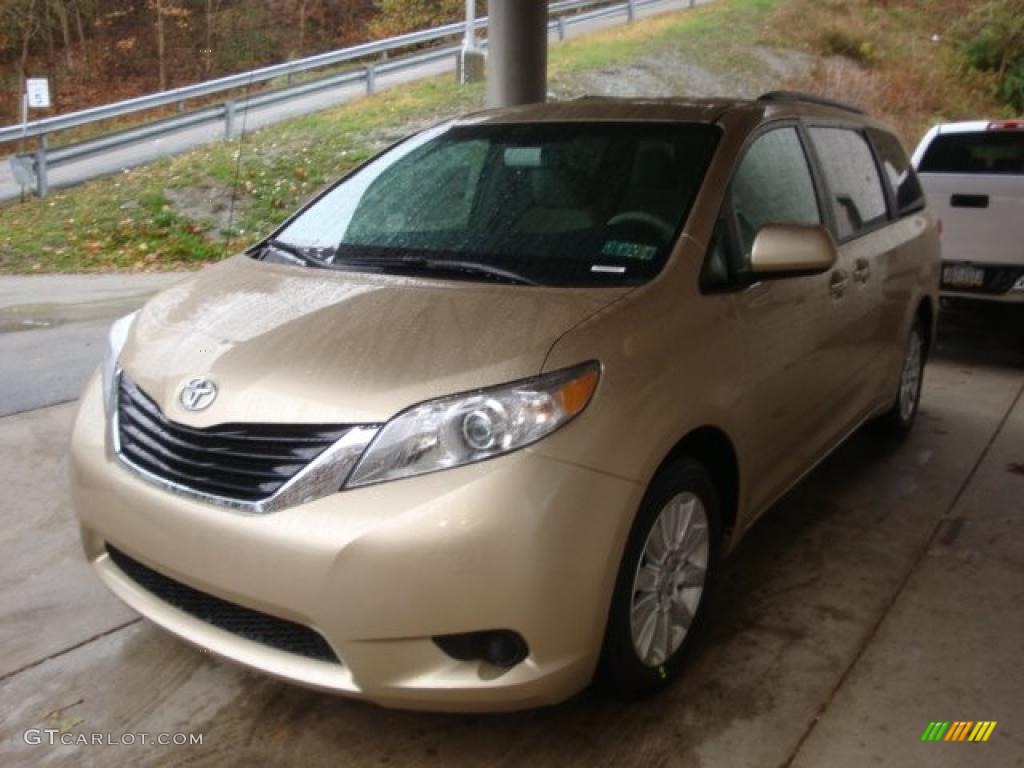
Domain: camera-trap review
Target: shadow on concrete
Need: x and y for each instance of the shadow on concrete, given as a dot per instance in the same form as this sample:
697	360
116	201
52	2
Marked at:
980	333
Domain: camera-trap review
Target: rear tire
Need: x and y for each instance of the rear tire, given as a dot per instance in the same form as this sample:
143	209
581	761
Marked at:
664	582
899	420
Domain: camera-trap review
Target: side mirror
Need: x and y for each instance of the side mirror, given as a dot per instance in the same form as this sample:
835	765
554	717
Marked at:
791	250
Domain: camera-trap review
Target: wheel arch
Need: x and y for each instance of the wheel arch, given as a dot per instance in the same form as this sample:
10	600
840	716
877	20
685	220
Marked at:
712	447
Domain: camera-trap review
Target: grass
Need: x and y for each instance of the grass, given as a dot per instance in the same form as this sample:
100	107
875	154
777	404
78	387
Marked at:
133	221
215	200
714	35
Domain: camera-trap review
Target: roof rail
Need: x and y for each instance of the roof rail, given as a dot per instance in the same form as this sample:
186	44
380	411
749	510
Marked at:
809	98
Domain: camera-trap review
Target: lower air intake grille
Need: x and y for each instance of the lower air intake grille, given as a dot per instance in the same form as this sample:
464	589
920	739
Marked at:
252	625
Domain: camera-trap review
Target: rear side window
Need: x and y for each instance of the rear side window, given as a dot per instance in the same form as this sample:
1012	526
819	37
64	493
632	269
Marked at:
979	152
855	188
903	181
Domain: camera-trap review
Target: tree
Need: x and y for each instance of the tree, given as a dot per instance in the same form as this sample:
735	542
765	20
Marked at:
161	43
993	40
60	8
20	23
395	17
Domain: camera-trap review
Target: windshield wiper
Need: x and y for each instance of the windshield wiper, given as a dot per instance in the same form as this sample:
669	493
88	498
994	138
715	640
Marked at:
440	265
475	267
296	253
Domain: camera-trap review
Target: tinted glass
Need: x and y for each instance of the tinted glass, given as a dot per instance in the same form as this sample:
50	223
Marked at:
898	170
980	152
773	185
851	174
580	203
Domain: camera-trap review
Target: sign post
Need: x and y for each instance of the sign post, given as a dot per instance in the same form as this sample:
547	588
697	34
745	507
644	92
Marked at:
36	96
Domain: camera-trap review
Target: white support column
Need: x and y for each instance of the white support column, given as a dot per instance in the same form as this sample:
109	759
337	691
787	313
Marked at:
517	58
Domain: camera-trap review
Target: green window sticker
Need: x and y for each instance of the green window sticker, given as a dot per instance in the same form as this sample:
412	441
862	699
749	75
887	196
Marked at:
622	250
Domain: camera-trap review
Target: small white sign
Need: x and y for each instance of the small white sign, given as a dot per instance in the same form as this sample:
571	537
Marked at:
38	89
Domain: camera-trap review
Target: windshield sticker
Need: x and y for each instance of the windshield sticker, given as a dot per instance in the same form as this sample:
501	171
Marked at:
623	250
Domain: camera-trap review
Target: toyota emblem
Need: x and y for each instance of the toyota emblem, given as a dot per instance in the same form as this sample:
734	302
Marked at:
197	394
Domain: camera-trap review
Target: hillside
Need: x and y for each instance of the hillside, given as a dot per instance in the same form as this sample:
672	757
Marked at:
903	61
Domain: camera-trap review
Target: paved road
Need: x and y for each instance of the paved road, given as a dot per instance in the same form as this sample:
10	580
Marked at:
53	331
183	140
883	593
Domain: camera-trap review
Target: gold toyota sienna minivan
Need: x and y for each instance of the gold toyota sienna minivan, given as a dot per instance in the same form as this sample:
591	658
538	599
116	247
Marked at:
478	424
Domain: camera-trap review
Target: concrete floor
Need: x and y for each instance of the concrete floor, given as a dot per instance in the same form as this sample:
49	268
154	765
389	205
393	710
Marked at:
884	592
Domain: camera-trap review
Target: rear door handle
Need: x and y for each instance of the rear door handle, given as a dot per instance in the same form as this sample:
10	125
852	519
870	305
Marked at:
837	285
861	271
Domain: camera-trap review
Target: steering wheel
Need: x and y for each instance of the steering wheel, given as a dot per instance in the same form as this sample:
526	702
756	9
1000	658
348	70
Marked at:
664	229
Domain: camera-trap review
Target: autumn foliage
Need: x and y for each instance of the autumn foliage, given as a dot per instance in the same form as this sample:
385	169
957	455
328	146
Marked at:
99	51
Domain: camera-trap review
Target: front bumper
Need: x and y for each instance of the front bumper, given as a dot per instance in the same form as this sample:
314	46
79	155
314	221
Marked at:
523	542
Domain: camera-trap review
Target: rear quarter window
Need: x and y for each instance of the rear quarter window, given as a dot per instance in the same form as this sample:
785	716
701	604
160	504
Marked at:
903	181
977	152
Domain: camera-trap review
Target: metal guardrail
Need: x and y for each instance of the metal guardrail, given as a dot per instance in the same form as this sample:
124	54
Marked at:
369	60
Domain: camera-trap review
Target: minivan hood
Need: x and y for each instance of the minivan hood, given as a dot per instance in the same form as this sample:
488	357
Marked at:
286	344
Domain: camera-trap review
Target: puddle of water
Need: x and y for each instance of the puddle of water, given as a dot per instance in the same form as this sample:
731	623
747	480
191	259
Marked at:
31	317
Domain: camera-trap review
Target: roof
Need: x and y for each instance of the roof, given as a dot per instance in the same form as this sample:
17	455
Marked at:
969	126
601	108
610	109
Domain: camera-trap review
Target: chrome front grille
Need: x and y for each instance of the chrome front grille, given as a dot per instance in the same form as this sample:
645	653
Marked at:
246	463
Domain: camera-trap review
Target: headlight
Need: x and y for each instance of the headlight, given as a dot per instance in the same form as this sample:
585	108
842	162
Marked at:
1019	285
115	342
458	430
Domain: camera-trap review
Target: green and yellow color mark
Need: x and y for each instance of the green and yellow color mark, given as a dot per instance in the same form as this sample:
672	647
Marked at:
959	730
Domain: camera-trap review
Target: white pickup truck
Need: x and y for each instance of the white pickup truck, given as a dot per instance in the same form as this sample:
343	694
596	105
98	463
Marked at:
973	176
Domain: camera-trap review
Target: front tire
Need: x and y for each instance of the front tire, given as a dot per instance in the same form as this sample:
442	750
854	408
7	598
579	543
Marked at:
663	583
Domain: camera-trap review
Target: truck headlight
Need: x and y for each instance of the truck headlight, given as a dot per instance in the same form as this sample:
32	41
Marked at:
115	343
462	429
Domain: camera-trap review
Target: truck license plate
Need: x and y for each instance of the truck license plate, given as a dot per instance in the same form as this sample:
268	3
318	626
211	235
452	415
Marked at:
963	276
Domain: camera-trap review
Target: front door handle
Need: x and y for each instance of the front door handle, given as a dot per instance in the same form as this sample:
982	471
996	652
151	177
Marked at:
861	271
837	285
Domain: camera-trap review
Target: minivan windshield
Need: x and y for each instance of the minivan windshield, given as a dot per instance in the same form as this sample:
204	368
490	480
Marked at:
540	203
977	152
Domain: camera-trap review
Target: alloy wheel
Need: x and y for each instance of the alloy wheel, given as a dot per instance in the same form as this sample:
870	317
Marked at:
670	578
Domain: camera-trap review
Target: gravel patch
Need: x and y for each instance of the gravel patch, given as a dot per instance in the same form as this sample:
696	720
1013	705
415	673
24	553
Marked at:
671	74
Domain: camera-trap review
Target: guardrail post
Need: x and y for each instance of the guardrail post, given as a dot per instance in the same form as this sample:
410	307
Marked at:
41	182
371	79
631	10
561	27
229	119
